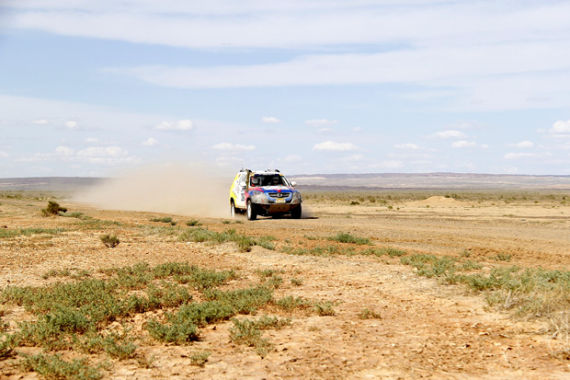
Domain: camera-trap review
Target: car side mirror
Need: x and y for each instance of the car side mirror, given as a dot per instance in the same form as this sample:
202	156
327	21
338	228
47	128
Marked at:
293	183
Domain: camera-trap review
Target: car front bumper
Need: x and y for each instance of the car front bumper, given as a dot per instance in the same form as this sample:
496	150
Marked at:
275	208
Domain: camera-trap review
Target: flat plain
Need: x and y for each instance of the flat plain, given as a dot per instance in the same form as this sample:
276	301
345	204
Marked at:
371	284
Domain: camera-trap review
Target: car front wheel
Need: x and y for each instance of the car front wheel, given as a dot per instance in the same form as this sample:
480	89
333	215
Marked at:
232	209
296	213
251	213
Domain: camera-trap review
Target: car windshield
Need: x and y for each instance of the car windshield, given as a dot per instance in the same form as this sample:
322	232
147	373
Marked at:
268	180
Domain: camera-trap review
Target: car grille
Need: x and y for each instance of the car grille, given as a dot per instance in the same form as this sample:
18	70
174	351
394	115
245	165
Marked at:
279	195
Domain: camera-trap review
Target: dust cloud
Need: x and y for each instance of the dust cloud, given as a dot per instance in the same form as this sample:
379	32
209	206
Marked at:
194	190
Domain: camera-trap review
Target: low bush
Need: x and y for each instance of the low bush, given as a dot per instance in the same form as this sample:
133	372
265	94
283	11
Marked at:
110	241
324	308
392	252
369	314
165	219
200	358
345	237
248	332
54	367
9	233
533	292
244	243
53	208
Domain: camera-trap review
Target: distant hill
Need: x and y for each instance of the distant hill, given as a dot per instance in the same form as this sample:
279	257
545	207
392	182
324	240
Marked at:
59	184
403	181
458	181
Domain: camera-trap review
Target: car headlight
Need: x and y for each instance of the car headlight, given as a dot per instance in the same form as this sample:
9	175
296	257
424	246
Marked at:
296	197
258	197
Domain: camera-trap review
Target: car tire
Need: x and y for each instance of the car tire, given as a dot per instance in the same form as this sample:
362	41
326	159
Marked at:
232	209
251	212
297	212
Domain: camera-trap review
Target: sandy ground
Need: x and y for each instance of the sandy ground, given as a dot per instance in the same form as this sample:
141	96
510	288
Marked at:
425	329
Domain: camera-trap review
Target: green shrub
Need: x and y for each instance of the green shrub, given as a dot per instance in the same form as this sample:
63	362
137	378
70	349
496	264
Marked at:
369	314
7	344
273	282
296	281
503	257
248	332
8	233
54	367
118	347
165	219
53	208
193	223
244	242
392	252
182	327
532	292
290	303
324	308
110	241
200	358
345	237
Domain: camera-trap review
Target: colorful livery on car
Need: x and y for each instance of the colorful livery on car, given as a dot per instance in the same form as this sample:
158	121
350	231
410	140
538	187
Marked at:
266	193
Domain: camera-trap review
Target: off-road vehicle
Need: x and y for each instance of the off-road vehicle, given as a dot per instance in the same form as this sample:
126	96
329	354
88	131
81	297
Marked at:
266	193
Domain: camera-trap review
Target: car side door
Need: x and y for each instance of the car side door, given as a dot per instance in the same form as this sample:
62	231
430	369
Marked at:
239	190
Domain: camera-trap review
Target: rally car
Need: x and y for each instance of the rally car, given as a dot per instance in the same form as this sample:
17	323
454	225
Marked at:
266	193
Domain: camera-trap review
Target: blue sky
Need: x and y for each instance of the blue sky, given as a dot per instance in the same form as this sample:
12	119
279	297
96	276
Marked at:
90	88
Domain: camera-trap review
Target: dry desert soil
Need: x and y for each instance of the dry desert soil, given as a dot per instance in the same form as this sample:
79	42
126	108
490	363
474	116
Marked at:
363	311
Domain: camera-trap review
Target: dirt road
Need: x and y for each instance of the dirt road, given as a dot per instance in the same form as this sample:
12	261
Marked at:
417	327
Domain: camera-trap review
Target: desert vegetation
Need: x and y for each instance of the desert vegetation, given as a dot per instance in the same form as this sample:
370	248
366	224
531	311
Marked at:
179	293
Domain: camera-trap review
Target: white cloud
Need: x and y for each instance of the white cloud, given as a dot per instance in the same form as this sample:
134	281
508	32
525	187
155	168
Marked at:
103	151
517	155
463	144
235	147
504	63
450	134
320	122
407	146
40	122
484	146
64	150
91	140
71	124
151	141
357	129
560	127
332	146
480	76
270	120
180	125
523	144
3	154
291	23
